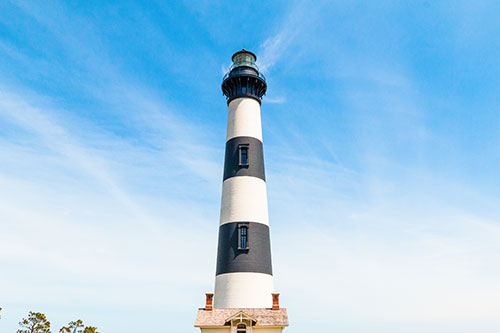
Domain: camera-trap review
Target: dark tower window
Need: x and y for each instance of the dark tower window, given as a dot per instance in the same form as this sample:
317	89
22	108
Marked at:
243	237
243	151
241	328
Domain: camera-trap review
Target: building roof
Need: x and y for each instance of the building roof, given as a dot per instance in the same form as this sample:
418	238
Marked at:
261	317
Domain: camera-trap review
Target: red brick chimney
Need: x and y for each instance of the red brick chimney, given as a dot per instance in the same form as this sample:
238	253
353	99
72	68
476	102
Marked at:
276	301
210	297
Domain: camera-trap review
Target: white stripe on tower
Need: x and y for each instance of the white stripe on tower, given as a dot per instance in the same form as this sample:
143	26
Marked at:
244	119
244	199
244	275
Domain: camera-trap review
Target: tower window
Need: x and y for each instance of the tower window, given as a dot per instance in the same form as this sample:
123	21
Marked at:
243	152
241	328
243	237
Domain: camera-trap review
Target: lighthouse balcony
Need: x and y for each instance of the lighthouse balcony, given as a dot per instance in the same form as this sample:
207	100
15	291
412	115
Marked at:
241	70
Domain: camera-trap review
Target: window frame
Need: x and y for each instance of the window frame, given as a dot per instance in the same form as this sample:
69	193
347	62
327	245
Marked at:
243	147
240	227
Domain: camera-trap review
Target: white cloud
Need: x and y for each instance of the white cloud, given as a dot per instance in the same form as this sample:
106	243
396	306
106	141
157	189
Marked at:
275	100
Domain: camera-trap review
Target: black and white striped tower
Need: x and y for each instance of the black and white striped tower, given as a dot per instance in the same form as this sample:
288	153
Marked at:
244	271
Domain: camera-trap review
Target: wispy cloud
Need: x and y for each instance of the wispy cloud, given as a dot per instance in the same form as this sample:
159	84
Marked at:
59	140
294	24
96	211
275	100
383	260
80	222
384	233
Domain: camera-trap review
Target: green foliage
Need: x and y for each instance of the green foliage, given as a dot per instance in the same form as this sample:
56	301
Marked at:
35	323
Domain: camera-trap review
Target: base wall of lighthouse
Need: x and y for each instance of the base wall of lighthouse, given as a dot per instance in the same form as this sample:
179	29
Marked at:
243	290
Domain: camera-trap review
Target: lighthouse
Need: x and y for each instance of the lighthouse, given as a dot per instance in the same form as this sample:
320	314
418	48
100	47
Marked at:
244	299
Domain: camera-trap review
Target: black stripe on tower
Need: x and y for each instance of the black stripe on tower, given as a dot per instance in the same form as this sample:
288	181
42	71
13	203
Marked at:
256	258
244	157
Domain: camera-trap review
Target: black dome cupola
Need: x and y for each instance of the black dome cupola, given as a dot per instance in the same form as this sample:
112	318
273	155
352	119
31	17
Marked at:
244	78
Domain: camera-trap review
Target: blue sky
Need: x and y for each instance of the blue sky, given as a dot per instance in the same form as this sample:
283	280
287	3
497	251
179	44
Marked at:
382	143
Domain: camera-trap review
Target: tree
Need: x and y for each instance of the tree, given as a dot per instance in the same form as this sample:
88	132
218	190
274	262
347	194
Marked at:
75	327
36	323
